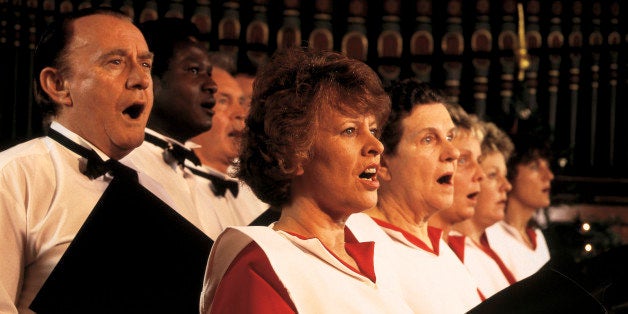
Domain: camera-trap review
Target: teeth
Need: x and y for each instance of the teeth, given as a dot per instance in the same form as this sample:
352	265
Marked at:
368	174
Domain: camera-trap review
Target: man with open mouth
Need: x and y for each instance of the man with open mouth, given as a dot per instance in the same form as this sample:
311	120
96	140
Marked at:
78	226
184	107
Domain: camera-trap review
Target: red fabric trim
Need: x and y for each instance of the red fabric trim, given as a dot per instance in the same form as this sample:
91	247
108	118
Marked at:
363	253
433	233
532	235
484	245
482	297
250	285
456	243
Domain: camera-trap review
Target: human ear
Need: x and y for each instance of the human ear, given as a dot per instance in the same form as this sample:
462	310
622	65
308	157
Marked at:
298	169
52	83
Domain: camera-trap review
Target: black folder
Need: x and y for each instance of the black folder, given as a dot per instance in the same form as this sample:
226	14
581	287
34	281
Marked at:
133	254
547	291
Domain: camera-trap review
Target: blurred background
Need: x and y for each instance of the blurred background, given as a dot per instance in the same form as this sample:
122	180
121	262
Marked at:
554	69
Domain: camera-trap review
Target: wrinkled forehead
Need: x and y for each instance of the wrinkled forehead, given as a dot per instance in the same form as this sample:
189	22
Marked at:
101	31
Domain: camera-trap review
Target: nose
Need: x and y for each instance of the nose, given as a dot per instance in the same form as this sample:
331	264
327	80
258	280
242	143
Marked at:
547	172
449	153
139	77
479	175
209	85
373	146
239	114
506	186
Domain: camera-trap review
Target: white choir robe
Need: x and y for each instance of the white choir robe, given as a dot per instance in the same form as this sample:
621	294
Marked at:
316	281
522	260
484	268
433	281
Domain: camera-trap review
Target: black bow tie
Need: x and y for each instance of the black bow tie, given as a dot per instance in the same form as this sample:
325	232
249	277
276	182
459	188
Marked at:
176	151
219	185
95	166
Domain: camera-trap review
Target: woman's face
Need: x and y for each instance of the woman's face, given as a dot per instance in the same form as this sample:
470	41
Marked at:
531	187
493	190
341	175
467	179
419	174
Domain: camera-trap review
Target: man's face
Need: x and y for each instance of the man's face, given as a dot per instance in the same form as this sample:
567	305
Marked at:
184	94
221	144
108	83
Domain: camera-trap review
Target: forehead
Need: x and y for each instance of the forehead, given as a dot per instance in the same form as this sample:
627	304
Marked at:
494	159
424	116
465	138
104	32
225	81
190	52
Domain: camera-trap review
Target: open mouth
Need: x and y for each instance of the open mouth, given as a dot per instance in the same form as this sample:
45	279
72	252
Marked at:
369	174
208	105
134	111
473	195
445	179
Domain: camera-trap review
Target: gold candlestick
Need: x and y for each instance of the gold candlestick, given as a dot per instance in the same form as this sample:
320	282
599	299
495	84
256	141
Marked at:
522	52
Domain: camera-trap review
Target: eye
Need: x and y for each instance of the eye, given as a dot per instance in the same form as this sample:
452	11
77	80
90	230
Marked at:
147	65
194	70
375	132
115	61
222	100
450	137
534	166
349	131
462	160
428	139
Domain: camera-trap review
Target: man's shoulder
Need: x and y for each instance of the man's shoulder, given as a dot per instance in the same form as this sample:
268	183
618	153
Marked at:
32	151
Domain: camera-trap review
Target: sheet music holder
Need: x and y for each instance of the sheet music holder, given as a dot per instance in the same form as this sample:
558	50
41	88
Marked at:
133	254
547	291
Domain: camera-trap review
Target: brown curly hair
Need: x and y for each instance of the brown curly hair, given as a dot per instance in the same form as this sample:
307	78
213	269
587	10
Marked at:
289	94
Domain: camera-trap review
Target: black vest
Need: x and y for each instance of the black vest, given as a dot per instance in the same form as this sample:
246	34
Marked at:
133	254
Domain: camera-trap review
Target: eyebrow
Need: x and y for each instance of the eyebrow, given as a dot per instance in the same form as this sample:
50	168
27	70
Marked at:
123	52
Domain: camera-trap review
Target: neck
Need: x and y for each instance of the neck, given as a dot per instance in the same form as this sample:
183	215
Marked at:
411	220
439	222
167	129
306	219
518	215
108	148
470	228
217	165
